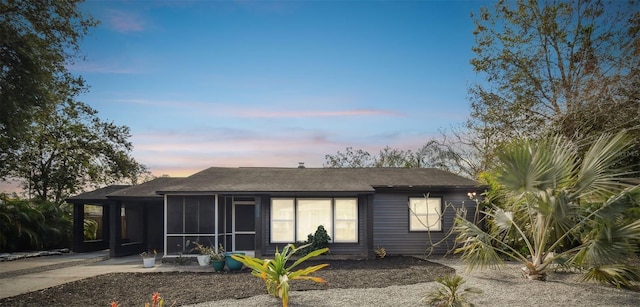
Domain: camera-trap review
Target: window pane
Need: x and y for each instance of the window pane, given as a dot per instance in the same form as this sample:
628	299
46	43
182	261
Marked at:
282	231
425	214
282	220
93	228
346	231
191	213
433	221
282	209
207	214
346	220
346	209
434	206
311	214
419	206
175	211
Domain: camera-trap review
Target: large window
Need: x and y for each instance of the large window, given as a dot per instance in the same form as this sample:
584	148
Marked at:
424	214
292	220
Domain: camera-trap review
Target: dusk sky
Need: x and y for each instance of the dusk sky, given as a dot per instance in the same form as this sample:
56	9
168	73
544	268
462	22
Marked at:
274	83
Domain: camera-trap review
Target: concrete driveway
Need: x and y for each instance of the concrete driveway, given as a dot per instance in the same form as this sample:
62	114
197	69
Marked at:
32	274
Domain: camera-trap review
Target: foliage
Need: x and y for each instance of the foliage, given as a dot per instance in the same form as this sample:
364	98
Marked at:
320	239
276	275
149	254
563	207
40	39
556	67
69	149
381	252
211	251
217	255
156	301
33	225
448	294
437	154
90	229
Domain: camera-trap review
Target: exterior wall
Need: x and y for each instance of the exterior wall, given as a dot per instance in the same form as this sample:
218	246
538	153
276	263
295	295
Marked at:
391	222
155	226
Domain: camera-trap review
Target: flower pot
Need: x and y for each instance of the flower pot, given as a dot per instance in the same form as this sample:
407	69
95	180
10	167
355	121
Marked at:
218	265
203	260
148	262
233	264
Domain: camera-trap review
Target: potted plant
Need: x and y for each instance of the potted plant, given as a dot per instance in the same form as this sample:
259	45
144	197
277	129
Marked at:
205	253
217	258
232	263
149	259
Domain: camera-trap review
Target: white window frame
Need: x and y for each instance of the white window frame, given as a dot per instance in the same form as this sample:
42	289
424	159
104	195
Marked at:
272	220
337	221
431	203
329	228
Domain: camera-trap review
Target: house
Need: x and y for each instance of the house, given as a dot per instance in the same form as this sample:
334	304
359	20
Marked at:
255	210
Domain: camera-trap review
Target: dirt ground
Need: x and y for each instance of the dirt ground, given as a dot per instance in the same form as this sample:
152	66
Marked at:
134	289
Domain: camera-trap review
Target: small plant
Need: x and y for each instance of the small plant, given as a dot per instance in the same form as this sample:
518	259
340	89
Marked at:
448	294
149	254
204	250
219	255
276	275
156	301
316	241
381	252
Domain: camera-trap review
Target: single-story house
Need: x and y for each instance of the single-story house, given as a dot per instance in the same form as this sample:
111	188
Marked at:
255	210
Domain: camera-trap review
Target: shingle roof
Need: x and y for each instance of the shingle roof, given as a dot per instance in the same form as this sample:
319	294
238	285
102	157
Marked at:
99	194
256	179
147	189
144	190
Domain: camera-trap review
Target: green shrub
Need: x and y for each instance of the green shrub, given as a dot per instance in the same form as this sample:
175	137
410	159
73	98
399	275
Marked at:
316	241
450	292
33	225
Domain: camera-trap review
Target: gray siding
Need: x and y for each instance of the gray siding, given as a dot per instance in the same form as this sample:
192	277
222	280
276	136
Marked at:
391	223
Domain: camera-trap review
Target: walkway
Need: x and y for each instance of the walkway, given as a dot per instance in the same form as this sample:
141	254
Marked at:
32	274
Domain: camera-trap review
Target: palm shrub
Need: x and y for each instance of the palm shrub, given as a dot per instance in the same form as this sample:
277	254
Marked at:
450	292
563	208
276	275
19	224
33	224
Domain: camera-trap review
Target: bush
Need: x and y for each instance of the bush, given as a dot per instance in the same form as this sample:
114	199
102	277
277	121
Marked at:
316	241
33	225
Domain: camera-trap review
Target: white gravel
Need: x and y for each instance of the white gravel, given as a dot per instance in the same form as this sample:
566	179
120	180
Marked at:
500	287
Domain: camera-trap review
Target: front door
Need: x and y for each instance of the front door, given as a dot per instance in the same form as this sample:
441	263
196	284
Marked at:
244	227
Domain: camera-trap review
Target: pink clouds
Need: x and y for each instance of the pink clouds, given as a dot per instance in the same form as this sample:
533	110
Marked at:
124	21
184	153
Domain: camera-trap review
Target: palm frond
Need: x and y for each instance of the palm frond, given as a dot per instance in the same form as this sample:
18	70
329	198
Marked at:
619	275
597	174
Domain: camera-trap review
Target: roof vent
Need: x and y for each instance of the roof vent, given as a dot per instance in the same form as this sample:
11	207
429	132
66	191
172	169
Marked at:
300	164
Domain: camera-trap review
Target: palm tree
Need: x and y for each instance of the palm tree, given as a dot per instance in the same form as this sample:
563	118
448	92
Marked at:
562	208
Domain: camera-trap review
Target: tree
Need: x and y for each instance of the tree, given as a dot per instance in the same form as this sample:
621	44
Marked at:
39	40
564	208
349	158
434	154
556	67
70	148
